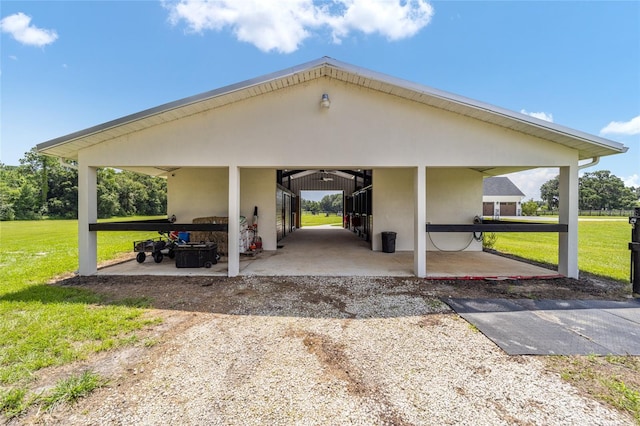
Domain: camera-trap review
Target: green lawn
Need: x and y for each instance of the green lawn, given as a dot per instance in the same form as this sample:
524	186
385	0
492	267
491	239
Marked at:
602	247
308	219
43	325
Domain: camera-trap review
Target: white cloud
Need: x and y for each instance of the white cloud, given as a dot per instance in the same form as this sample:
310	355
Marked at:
530	181
631	127
541	115
283	25
20	28
633	180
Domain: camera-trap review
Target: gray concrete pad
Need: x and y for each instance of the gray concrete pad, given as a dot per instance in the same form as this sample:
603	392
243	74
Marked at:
556	327
334	251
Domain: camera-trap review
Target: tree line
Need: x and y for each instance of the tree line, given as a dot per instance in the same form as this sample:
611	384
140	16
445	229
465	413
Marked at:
41	187
328	204
599	190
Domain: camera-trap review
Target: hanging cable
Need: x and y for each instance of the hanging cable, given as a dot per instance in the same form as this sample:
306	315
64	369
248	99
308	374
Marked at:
452	251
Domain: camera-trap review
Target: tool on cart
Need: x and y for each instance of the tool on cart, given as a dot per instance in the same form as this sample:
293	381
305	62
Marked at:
158	247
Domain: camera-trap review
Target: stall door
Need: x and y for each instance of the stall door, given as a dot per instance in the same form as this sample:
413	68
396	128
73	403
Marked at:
280	213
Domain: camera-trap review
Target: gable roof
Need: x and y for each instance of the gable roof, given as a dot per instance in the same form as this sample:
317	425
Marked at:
500	186
588	146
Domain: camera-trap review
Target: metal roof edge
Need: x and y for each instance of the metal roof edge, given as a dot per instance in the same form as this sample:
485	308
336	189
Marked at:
472	103
182	102
364	72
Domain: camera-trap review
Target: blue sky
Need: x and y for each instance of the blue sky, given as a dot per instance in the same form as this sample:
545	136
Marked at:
68	65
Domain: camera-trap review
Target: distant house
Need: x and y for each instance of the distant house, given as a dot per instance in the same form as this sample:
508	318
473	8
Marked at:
501	197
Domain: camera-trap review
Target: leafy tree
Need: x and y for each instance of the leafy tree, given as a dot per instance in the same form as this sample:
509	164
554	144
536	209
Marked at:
601	190
7	192
41	186
597	190
331	203
550	193
35	168
62	197
310	206
27	203
530	208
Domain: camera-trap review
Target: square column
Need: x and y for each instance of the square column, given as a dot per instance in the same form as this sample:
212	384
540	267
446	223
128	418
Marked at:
87	213
233	236
568	206
420	217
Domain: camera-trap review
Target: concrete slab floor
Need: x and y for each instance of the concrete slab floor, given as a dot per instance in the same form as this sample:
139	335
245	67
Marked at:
334	251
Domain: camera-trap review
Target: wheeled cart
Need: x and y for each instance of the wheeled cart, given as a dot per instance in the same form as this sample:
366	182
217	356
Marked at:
196	255
156	246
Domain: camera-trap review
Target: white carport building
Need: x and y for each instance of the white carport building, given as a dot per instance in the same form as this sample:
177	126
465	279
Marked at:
424	151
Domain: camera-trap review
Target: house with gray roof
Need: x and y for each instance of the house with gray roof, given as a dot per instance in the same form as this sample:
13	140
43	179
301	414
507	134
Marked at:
501	197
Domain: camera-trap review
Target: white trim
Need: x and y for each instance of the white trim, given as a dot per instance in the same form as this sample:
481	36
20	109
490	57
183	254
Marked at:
420	217
233	239
568	242
87	213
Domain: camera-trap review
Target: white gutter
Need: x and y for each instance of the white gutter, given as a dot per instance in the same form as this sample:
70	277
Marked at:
593	162
63	163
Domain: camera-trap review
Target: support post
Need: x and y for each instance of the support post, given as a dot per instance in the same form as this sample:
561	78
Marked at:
87	213
420	217
568	242
634	246
233	236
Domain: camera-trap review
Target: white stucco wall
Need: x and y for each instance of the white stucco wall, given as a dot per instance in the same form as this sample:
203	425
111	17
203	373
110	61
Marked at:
199	192
258	188
393	206
363	128
454	196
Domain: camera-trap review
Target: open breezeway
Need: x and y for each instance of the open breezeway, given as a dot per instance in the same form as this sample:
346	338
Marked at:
334	251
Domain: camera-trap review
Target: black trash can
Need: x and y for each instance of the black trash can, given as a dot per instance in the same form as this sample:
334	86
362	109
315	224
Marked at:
389	242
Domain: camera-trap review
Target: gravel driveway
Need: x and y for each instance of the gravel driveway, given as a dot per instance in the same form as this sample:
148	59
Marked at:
311	351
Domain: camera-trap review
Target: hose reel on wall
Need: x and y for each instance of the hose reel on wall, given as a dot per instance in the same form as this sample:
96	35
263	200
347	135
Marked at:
477	236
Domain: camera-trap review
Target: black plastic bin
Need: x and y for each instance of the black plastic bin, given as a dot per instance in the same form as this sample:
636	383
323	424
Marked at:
196	255
389	242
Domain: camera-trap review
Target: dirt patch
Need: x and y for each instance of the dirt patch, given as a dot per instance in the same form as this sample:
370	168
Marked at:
334	360
222	294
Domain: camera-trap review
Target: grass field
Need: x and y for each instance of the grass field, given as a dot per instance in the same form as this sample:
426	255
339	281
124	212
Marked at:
308	219
602	247
43	325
